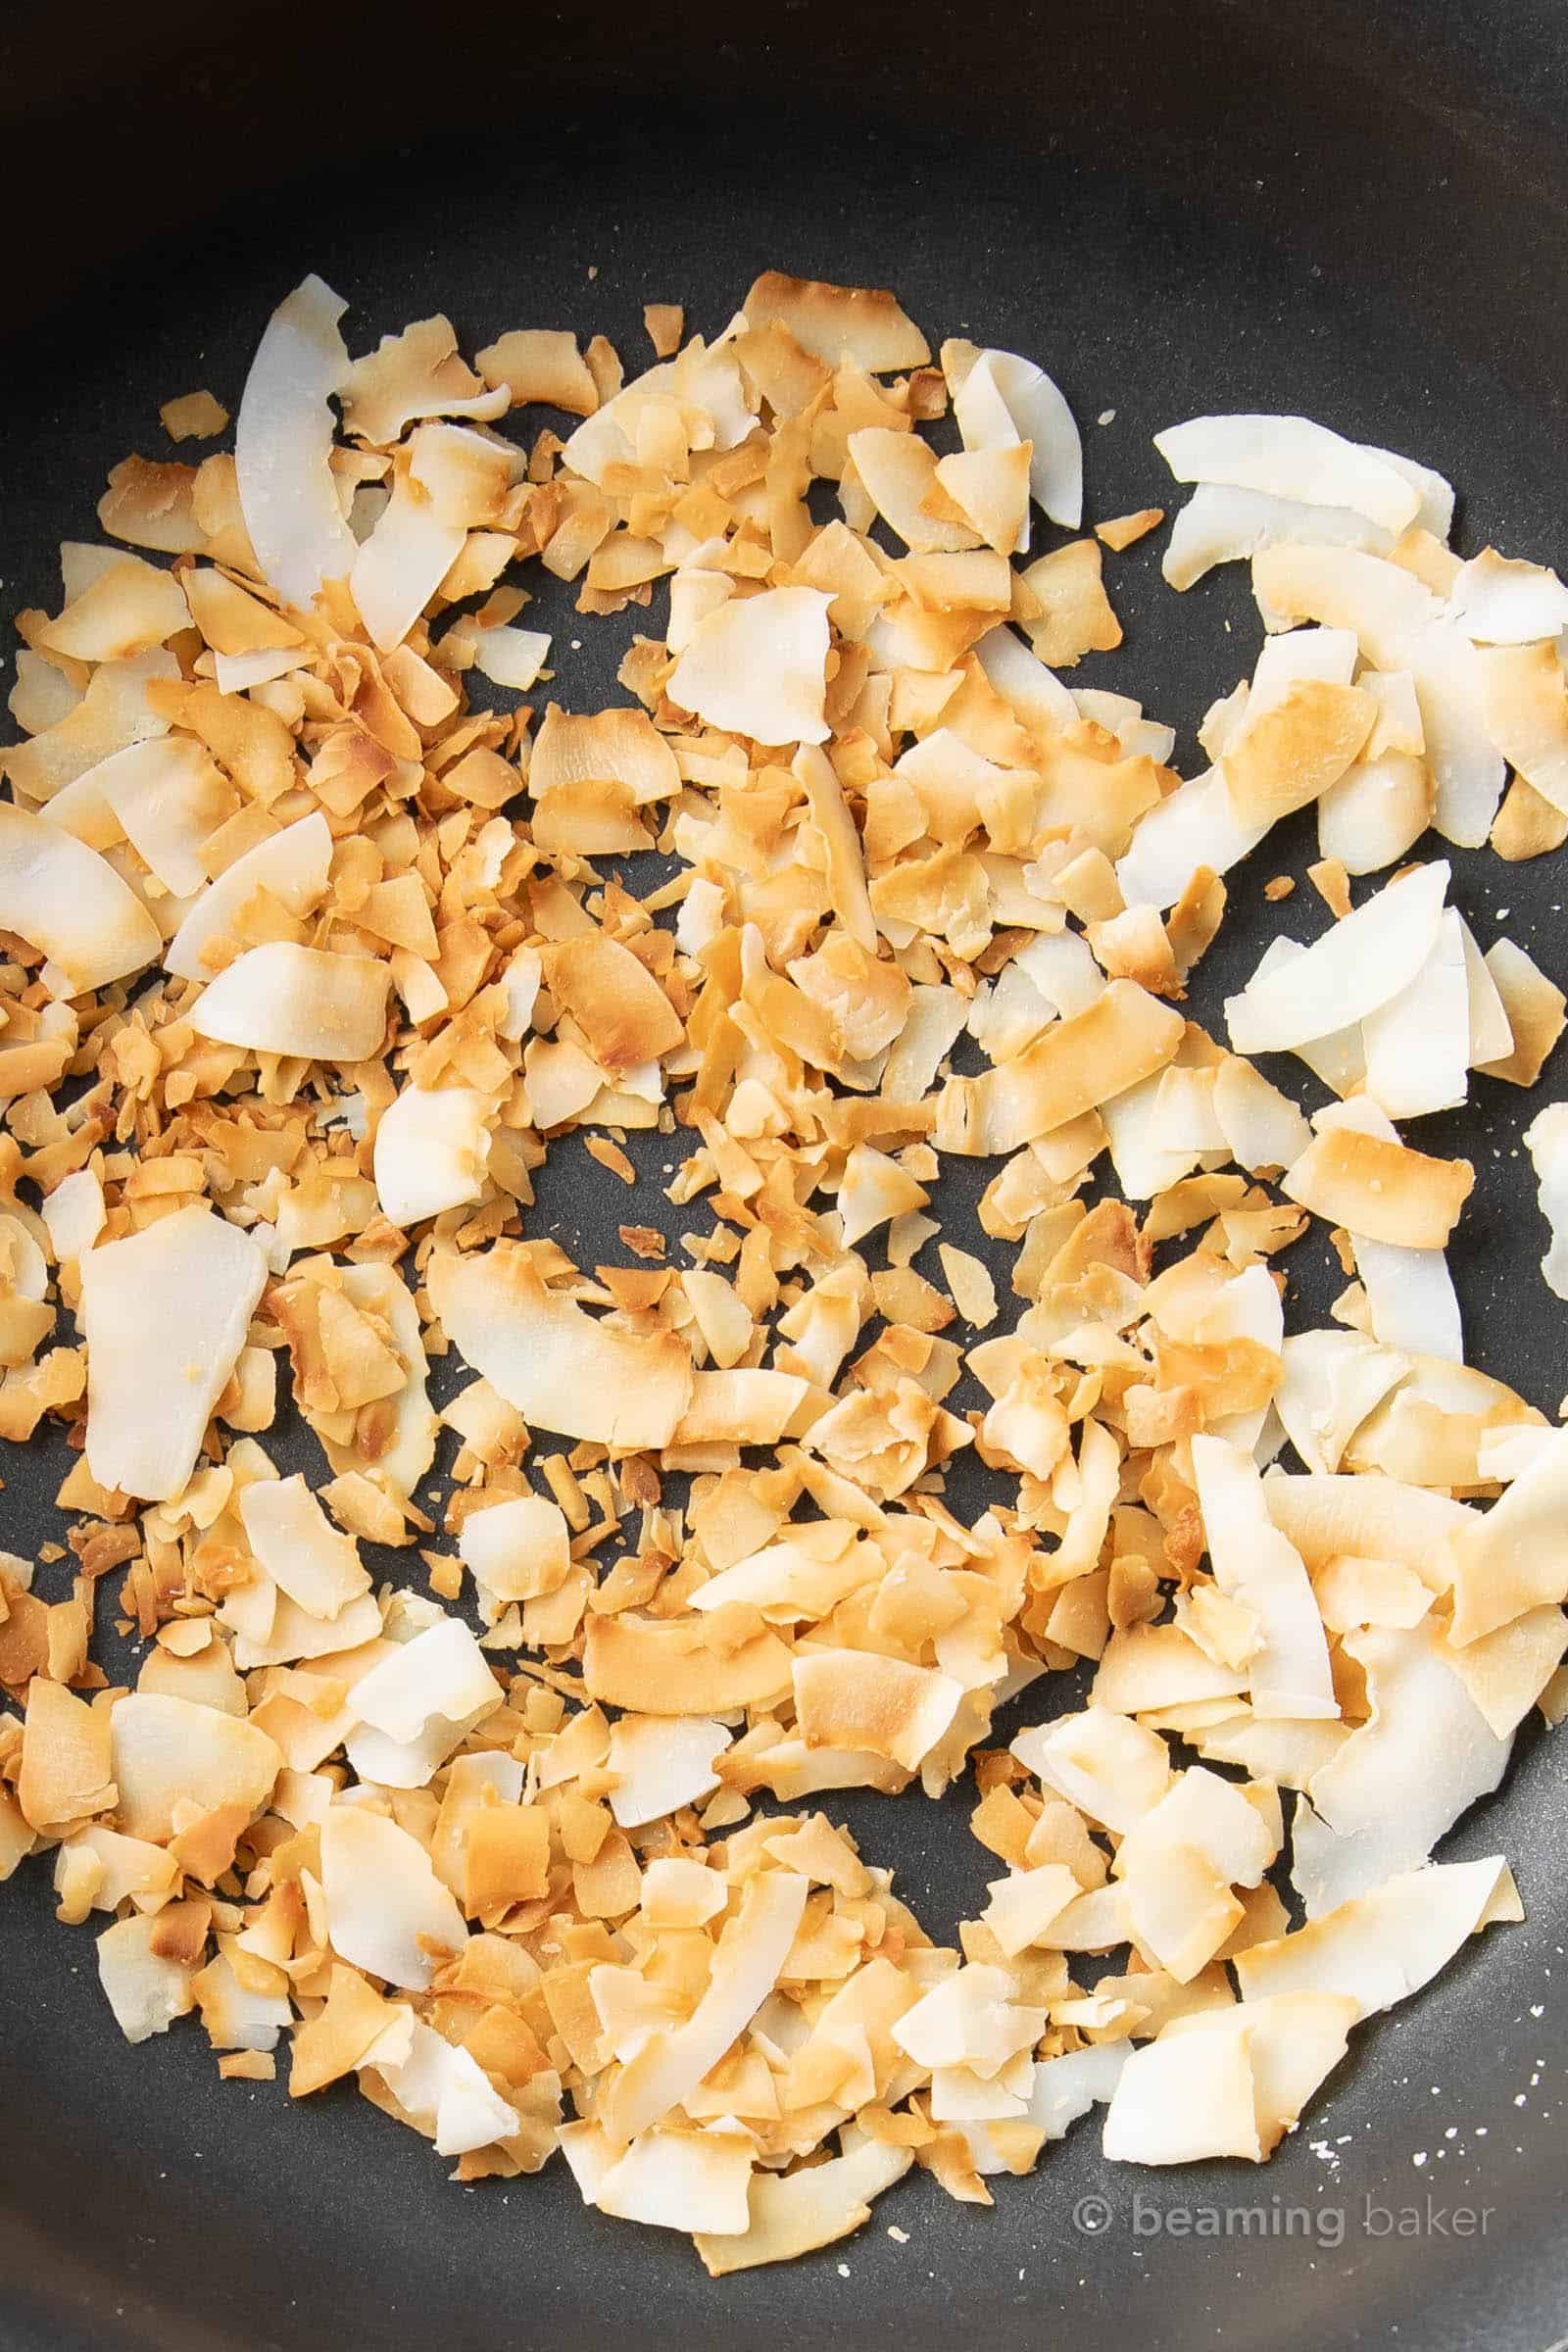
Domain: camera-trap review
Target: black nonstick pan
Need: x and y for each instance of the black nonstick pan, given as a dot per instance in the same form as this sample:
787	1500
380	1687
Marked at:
1360	214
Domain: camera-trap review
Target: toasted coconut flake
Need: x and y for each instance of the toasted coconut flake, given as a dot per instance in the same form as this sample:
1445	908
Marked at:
1399	624
194	417
621	1009
283	998
793	2214
1125	1036
412	375
541	363
1527	713
168	798
283	443
1380	1947
1125	531
1075	614
508	656
854	1700
67	901
145	1991
1183	2098
1382	1190
155	1377
990	487
560	1368
669	1669
862	324
172	1756
1295	747
1533	1008
746	1967
898	471
1112	1769
757	666
610	747
66	1761
681	2180
970	1285
740	1409
1515	1558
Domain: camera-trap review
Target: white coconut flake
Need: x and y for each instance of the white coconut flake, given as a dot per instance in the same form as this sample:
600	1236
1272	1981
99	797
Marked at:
1360	963
1223	525
757	666
166	1312
1194	827
284	445
1253	1562
1403	1778
386	1910
1495	602
432	1150
1547	1140
63	897
291	866
1380	1947
1040	417
1291	458
1418	1043
440	1674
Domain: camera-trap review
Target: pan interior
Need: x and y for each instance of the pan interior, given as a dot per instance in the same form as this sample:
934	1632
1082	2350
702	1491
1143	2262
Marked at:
156	2204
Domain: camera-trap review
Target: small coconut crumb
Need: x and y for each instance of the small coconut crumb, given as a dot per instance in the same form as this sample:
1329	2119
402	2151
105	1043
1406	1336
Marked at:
194	417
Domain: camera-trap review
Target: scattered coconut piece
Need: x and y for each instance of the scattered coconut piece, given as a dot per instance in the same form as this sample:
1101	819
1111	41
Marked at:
756	665
283	444
164	1313
386	1910
560	1368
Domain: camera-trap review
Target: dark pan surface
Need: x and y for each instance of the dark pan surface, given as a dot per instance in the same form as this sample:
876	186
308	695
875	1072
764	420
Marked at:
1176	211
